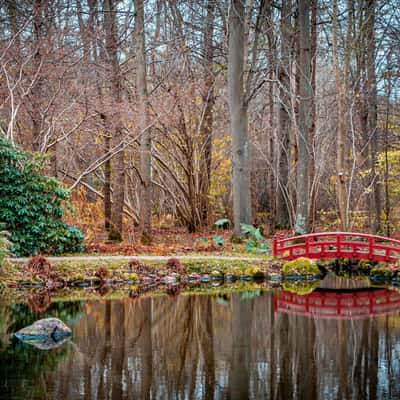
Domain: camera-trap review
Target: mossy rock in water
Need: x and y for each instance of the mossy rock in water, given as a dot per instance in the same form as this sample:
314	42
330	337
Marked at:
301	287
255	272
301	266
217	274
234	271
128	276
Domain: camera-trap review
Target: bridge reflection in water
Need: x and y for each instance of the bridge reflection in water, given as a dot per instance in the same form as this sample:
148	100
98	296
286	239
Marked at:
330	304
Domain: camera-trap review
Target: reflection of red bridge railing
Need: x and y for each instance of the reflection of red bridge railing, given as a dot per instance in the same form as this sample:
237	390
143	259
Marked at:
339	305
337	245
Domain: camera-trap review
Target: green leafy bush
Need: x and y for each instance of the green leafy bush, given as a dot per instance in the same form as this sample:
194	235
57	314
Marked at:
31	205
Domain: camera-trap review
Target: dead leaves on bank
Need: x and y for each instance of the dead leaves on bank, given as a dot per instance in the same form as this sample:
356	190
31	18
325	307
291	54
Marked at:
175	241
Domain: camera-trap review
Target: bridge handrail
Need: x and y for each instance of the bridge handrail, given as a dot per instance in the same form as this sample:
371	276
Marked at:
354	240
322	234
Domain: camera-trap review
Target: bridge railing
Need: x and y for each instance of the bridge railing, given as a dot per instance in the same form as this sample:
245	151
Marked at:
337	245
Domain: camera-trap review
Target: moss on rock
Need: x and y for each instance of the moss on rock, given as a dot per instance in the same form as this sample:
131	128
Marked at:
300	266
255	272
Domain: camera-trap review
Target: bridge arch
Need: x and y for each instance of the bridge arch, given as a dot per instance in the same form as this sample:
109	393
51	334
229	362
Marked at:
337	245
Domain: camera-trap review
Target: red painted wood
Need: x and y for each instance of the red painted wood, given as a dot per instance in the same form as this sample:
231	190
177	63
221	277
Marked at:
361	304
337	245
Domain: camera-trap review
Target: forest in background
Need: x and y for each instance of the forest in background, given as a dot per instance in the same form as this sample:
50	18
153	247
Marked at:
178	113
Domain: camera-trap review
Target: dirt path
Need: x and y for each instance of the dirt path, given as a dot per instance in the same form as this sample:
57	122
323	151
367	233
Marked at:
23	260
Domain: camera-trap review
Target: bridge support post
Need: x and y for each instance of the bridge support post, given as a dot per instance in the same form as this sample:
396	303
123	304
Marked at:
307	247
275	245
338	245
371	242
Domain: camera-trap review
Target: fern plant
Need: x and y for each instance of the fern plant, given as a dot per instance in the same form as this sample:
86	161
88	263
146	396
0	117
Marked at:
255	242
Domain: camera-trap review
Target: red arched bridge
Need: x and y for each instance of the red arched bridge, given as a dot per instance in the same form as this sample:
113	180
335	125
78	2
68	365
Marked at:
339	305
337	245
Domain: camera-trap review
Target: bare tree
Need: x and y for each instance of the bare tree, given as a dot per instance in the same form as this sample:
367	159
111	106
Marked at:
238	118
206	124
303	136
375	204
145	138
286	32
118	163
341	78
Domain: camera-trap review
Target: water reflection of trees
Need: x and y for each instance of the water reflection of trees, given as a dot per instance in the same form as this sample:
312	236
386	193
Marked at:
39	301
188	347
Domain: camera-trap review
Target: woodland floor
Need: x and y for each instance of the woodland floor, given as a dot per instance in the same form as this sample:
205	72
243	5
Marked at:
170	242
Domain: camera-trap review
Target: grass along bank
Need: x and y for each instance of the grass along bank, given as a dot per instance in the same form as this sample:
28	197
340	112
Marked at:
149	270
114	269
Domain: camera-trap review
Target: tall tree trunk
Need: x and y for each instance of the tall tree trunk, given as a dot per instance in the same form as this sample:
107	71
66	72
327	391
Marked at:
145	134
117	167
271	171
238	118
341	121
83	30
207	117
313	183
107	174
37	88
283	199
100	58
303	135
376	206
387	121
362	105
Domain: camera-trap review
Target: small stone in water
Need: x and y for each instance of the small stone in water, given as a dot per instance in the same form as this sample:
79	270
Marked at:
216	274
44	328
169	279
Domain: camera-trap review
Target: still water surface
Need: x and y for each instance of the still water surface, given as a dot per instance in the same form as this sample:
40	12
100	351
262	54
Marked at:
232	346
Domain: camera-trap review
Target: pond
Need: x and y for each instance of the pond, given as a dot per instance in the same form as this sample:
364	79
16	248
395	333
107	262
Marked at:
259	343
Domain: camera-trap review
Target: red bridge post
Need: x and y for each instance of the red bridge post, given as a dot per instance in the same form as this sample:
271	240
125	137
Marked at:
307	247
338	244
371	247
275	245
